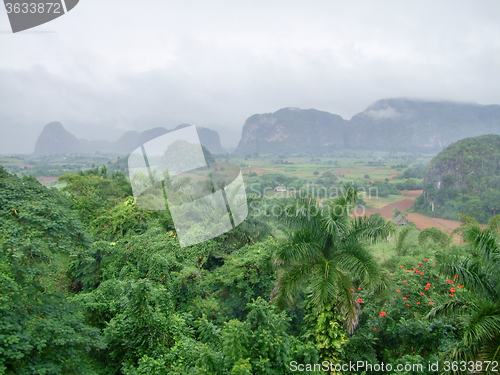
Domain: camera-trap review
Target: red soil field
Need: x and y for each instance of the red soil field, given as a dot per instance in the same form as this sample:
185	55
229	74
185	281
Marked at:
423	222
386	211
420	220
412	193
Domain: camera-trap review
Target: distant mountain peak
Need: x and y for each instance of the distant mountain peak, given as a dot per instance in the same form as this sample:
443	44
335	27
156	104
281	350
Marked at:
395	124
55	139
181	126
291	130
53	126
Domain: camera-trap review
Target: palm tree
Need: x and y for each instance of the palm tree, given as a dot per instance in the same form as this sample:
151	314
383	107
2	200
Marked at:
326	252
477	315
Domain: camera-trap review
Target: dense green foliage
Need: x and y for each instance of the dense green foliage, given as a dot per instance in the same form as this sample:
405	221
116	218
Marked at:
92	284
325	251
41	331
416	171
464	179
477	313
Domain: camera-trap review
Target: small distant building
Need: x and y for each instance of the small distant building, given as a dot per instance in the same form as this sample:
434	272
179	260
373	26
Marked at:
280	188
400	220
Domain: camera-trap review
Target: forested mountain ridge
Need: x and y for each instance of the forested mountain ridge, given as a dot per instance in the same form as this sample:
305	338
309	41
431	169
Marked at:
388	124
54	140
464	178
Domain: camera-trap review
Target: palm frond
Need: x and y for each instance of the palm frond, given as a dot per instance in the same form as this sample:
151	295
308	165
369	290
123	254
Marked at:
370	229
302	246
477	314
486	241
350	196
483	325
290	283
471	273
335	222
462	352
304	213
450	309
359	262
346	301
330	286
490	351
322	286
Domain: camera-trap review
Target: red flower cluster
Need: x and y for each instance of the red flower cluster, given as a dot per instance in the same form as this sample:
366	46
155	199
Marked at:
427	287
383	313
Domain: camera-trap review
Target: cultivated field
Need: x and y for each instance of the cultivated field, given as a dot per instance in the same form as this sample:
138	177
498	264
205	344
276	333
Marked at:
347	166
352	166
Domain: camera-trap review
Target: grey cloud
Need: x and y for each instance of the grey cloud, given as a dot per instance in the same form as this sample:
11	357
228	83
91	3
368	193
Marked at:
216	63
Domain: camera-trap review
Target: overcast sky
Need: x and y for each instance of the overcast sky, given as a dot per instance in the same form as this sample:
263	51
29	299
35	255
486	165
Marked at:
109	66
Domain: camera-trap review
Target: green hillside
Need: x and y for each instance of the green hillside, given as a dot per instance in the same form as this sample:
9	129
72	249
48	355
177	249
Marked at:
464	179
